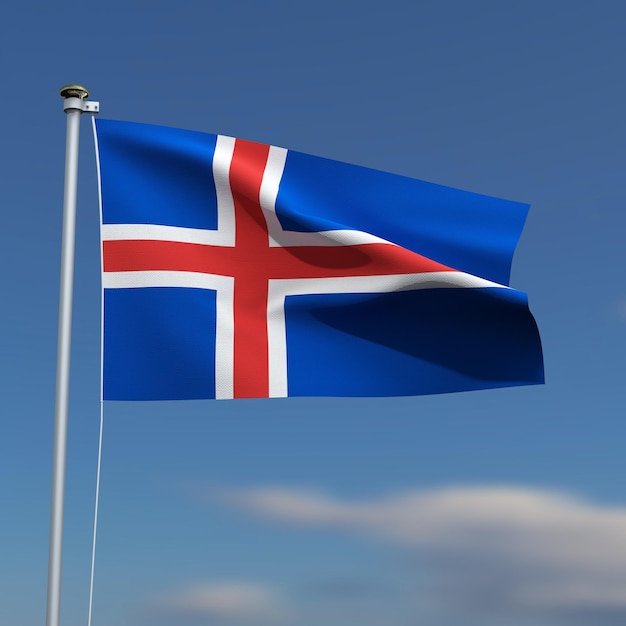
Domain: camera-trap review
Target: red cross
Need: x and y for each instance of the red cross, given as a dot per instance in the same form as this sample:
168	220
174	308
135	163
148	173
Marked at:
252	263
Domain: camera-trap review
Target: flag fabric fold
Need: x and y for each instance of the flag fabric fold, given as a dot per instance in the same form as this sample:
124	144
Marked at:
233	269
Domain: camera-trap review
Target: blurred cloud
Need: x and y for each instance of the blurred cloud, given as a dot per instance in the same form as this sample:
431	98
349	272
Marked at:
224	603
505	549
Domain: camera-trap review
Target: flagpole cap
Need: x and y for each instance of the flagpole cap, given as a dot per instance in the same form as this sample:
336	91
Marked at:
74	91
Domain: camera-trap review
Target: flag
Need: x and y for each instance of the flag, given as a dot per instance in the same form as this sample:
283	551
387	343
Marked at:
234	269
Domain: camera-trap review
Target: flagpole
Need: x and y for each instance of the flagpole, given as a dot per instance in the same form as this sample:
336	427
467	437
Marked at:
75	103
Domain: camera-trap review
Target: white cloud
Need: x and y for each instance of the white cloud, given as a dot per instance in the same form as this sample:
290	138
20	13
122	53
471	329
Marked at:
522	549
226	603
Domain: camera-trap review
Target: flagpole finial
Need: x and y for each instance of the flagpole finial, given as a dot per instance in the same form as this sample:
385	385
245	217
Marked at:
74	91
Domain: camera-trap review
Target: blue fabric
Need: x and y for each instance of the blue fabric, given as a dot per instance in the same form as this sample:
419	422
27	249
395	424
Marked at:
410	343
156	175
467	231
159	344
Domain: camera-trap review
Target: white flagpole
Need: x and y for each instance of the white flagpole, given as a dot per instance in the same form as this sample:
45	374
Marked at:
75	103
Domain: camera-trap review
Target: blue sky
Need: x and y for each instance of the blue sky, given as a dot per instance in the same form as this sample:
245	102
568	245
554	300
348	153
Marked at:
499	507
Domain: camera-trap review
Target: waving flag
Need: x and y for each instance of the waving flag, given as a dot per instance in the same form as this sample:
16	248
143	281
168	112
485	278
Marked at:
237	269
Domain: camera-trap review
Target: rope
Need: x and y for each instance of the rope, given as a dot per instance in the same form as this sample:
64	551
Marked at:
95	518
